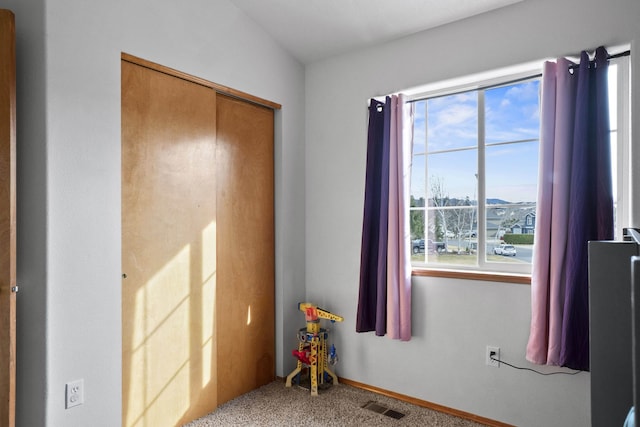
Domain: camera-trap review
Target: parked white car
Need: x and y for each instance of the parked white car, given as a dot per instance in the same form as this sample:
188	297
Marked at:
505	250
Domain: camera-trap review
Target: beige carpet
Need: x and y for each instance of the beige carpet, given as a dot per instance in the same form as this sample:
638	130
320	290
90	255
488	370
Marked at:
341	405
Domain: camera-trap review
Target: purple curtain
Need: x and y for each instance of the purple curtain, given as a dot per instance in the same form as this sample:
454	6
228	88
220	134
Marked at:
384	301
575	205
372	301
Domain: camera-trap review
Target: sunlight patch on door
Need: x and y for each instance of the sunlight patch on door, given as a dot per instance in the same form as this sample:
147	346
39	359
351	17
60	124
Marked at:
209	266
159	297
162	314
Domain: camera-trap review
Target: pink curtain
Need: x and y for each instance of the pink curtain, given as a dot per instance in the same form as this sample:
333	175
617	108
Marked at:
556	139
384	301
398	255
575	205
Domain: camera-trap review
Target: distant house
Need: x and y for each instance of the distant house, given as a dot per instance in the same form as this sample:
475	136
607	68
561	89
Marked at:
503	219
529	223
526	225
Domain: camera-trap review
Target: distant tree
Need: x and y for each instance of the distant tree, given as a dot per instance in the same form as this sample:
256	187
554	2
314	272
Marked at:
416	218
447	218
439	199
462	220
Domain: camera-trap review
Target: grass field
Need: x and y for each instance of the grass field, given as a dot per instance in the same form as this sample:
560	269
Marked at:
460	259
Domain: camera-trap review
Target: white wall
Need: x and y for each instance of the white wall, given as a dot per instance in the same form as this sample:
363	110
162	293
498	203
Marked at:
453	320
69	180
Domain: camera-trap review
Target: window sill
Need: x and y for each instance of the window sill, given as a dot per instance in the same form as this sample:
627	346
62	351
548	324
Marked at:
520	279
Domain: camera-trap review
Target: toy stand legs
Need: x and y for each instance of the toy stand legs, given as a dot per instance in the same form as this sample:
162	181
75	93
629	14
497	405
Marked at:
298	366
313	347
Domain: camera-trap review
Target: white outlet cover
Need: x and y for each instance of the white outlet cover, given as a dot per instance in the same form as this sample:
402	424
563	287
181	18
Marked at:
74	393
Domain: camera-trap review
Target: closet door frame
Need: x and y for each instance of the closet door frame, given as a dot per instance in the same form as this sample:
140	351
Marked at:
8	287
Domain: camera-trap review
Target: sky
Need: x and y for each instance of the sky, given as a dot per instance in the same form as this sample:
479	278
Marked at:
511	114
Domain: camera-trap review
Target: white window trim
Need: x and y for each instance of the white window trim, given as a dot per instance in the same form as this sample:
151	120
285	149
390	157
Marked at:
475	81
623	160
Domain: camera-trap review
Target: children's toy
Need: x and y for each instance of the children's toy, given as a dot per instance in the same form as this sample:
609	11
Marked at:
312	350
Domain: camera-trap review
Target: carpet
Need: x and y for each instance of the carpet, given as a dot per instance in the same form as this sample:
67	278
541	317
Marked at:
340	405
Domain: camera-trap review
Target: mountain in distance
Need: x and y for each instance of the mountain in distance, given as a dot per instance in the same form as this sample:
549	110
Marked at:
497	202
462	202
504	202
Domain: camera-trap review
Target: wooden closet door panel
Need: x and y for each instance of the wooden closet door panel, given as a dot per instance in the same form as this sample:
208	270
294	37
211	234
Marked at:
7	219
245	295
168	248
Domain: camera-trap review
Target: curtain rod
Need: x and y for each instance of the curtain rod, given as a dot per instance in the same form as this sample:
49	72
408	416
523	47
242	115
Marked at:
609	57
619	55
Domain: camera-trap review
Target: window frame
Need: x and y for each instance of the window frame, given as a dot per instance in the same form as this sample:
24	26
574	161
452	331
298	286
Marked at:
483	268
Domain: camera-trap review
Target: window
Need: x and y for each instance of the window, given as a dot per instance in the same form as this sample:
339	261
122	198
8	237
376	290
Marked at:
474	171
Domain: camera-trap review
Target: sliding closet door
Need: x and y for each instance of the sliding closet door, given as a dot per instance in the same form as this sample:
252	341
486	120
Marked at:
168	248
198	307
7	219
245	297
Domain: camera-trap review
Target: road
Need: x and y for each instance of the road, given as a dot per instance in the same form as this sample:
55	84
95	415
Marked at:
524	253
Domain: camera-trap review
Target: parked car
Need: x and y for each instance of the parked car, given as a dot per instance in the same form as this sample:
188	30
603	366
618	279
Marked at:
505	250
439	247
417	246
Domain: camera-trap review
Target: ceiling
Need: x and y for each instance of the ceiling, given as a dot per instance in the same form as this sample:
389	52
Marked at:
316	29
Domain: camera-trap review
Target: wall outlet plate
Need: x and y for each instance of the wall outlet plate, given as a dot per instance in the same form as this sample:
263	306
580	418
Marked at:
496	355
74	393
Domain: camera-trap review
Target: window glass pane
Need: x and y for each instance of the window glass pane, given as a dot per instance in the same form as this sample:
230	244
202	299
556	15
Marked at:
452	141
452	121
452	177
511	165
419	127
512	112
452	165
511	172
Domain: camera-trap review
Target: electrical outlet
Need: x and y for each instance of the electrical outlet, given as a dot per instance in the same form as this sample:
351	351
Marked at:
74	393
495	353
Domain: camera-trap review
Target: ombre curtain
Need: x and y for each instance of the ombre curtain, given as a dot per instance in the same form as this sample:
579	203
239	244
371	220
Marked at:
384	301
575	205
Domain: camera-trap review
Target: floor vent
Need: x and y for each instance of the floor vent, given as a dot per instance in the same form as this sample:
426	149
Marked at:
376	407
